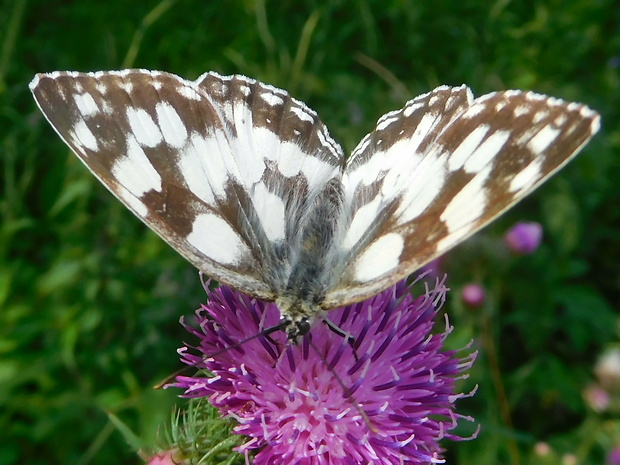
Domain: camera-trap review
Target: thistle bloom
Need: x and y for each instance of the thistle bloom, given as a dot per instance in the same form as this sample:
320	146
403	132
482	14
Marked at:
302	404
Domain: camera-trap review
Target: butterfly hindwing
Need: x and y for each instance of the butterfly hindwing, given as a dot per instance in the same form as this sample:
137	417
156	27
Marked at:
293	157
381	168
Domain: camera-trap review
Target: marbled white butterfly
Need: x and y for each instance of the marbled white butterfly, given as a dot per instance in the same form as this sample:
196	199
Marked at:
246	183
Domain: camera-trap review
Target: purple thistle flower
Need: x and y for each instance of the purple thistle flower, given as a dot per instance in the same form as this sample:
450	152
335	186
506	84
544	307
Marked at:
288	400
524	238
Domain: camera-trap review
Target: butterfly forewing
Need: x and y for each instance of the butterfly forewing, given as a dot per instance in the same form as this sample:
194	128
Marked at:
413	128
448	177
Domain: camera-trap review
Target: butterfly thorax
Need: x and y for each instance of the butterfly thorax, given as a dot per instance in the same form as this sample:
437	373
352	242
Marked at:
311	258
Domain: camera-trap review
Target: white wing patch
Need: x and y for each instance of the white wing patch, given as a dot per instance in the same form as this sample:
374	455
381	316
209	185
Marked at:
468	147
543	139
83	136
528	176
271	212
135	171
195	170
468	204
133	203
362	220
381	257
86	104
216	239
421	194
302	114
172	126
144	129
486	152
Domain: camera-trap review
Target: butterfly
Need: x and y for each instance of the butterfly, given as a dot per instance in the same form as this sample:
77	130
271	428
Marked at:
246	183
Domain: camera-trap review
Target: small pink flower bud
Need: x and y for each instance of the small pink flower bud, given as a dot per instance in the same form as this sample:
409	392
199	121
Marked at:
596	397
524	238
170	457
473	295
542	449
569	459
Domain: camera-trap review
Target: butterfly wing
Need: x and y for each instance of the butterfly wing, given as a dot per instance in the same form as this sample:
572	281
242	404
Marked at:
209	165
302	165
438	170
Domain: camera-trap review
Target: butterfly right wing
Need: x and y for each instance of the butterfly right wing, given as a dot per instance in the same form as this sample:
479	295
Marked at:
438	170
188	164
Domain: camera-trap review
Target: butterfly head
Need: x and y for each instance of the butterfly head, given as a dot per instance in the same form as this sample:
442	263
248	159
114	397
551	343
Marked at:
298	315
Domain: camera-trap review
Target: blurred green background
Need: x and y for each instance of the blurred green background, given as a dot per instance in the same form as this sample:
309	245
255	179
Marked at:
90	299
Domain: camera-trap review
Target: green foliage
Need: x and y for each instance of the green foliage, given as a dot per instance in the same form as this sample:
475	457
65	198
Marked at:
199	435
90	300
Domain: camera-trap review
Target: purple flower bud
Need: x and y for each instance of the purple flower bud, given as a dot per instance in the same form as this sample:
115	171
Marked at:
387	398
473	295
524	238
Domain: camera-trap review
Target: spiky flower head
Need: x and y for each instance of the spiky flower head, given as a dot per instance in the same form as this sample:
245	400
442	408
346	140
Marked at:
387	398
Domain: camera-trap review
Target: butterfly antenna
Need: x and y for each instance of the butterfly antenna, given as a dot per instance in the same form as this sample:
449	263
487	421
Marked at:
266	332
346	390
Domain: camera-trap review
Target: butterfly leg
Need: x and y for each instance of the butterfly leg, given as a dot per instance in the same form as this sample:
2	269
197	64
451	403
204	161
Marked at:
343	334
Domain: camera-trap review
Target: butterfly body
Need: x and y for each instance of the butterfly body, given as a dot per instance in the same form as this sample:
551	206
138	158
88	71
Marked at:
247	184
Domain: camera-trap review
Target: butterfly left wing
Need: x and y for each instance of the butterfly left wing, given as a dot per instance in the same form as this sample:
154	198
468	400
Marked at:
220	168
414	192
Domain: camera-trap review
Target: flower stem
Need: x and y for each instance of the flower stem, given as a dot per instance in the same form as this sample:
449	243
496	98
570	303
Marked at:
488	342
